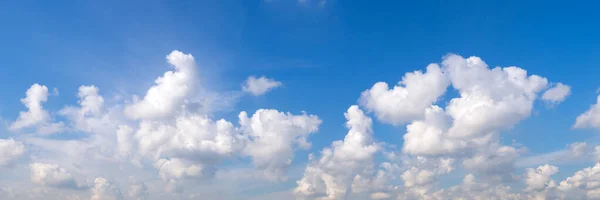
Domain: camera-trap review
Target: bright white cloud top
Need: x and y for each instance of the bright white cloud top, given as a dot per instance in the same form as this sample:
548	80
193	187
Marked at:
452	117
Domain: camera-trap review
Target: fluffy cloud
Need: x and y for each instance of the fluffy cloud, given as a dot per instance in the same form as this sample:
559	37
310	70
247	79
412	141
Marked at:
407	100
10	150
273	135
428	136
420	179
169	91
51	175
324	178
36	115
138	190
105	190
583	184
90	115
590	118
539	178
490	100
194	138
557	94
259	86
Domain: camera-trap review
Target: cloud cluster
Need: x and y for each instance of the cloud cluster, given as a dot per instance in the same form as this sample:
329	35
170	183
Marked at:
451	118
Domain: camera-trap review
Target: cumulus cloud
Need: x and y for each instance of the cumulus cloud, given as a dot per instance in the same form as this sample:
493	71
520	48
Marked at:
324	178
36	115
194	144
407	100
490	100
259	86
539	178
90	116
273	136
138	190
557	94
590	118
51	175
583	184
421	176
10	150
467	129
169	91
105	190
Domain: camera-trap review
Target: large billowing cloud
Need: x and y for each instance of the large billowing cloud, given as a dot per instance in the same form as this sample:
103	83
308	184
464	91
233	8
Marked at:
273	136
157	135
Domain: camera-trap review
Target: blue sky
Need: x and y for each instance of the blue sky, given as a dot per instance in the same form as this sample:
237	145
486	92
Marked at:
324	53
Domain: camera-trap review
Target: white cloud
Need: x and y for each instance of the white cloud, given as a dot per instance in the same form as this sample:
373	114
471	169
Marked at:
138	190
105	190
169	91
324	178
407	100
590	118
428	137
491	100
10	150
51	175
273	136
259	86
539	178
582	185
194	143
557	94
421	176
497	165
90	116
36	115
125	140
35	96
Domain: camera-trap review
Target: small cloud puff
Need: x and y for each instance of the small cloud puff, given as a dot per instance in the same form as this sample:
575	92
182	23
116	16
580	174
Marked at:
260	86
